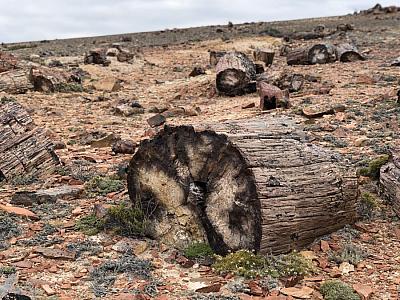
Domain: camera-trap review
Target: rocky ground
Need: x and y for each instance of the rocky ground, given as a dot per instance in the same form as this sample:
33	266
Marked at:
49	257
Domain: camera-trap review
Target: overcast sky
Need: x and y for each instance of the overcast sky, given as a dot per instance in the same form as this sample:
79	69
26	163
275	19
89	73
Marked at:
27	20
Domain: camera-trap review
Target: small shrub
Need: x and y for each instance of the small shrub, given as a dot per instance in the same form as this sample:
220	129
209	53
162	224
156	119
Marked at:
7	270
70	88
5	99
374	167
126	220
23	180
350	253
293	264
101	186
337	290
367	205
198	250
90	225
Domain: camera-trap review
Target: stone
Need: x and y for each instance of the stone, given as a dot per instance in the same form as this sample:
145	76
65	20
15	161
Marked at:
214	288
140	247
197	71
156	120
106	141
325	246
124	147
49	291
127	110
301	293
248	105
346	268
51	195
308	255
361	141
108	84
19	211
313	113
56	253
255	289
364	291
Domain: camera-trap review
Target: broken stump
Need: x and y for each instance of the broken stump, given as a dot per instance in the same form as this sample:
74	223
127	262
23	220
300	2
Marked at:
390	181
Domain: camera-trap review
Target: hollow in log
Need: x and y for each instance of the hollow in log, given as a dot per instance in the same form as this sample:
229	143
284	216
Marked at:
272	97
25	150
235	74
348	53
248	184
390	181
15	81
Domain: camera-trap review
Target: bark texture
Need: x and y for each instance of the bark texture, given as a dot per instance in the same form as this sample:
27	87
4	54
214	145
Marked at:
390	182
51	80
15	81
348	53
253	184
272	97
235	74
7	62
266	56
215	56
24	149
316	54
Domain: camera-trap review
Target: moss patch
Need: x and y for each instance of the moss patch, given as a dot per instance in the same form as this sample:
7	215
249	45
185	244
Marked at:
337	290
101	186
90	225
247	264
198	250
367	205
350	253
374	167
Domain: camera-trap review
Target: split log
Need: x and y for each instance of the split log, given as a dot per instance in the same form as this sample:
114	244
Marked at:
248	184
266	56
272	97
235	74
51	80
390	182
317	54
25	150
215	56
7	62
348	53
15	82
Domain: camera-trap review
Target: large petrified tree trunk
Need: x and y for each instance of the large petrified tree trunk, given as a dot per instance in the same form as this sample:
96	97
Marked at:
348	53
15	81
390	181
252	184
24	149
235	74
51	80
316	54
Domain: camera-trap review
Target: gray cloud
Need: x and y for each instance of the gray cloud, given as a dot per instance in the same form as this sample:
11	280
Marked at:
25	20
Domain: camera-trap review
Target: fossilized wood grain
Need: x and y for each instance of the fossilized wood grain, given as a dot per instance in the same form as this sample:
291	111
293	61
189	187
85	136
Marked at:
24	149
390	182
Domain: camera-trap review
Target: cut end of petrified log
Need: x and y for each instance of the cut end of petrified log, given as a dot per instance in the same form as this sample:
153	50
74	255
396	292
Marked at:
196	186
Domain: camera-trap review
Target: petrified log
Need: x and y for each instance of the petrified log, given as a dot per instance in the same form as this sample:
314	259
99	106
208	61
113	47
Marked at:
390	181
284	80
15	81
266	56
215	56
272	97
348	53
50	79
25	150
316	54
252	184
7	62
235	74
97	56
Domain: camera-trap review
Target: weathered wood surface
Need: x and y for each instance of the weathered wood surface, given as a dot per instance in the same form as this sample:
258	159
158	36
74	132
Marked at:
97	56
235	74
50	80
348	53
253	184
25	150
390	181
215	56
15	81
7	62
266	56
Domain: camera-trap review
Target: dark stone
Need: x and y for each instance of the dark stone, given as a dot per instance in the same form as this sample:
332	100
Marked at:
156	120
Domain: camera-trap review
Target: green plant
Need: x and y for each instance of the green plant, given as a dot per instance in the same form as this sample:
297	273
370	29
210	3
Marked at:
7	270
90	225
126	220
70	88
367	205
337	290
374	167
5	99
100	185
349	253
198	250
23	180
247	264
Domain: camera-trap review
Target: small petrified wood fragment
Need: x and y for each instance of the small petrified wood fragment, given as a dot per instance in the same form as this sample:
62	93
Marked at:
272	97
348	53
